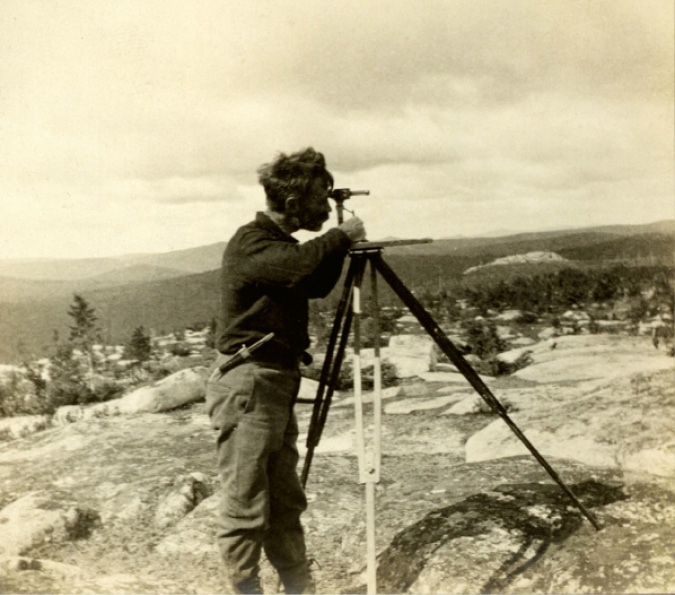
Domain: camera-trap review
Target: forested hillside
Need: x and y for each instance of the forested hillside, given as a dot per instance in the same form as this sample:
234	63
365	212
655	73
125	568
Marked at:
166	305
152	291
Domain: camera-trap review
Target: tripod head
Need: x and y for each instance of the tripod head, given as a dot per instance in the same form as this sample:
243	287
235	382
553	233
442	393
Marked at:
339	195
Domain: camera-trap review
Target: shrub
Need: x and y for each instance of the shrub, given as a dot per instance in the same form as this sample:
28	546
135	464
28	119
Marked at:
63	392
346	377
180	349
483	339
17	398
527	318
493	366
105	391
67	392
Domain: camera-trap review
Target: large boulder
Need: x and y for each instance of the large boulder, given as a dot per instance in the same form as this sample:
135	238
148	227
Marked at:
469	405
407	406
9	373
176	390
68	414
447	373
180	388
48	568
412	355
587	357
20	426
194	533
185	494
390	392
575	316
309	388
38	517
509	315
506	332
659	460
522	341
548	332
528	538
615	423
19	572
498	441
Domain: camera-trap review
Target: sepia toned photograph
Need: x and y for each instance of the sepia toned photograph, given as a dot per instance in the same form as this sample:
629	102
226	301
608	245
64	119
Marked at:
337	298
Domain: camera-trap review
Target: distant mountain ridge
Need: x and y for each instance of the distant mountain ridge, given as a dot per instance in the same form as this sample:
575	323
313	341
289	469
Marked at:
14	289
663	226
496	247
169	291
189	260
205	258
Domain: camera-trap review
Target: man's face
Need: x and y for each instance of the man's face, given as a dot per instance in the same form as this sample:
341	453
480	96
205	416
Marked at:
315	208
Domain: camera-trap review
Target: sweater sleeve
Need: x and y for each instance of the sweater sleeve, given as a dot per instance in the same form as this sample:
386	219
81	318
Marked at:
279	263
324	278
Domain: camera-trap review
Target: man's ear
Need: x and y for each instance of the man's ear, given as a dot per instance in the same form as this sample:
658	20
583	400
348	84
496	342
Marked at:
292	205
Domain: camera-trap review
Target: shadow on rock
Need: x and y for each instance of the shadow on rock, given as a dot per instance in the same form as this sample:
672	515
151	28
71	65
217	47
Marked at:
482	543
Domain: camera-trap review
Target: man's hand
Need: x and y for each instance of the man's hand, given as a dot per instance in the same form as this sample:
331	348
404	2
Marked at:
354	228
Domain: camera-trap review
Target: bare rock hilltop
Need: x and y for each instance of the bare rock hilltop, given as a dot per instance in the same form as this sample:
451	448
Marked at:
123	501
538	256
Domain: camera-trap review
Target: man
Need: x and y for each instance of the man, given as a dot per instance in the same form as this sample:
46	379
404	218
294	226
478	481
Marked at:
267	279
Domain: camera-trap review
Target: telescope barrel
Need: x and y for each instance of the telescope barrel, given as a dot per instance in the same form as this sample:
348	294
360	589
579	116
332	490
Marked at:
340	194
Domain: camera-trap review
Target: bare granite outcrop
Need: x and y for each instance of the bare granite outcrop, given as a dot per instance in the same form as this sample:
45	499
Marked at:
126	502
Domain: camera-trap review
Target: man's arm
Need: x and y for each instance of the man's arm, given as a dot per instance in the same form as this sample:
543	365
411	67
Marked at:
285	264
327	274
325	277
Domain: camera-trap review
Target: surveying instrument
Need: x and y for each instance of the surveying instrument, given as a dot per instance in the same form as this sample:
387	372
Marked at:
348	315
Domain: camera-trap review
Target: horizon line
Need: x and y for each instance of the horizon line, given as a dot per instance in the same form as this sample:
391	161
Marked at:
482	236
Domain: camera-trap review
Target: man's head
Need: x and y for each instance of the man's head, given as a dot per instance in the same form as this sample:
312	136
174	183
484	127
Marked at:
297	186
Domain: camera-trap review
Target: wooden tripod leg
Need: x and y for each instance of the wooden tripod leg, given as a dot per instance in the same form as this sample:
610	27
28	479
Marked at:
440	338
330	370
343	306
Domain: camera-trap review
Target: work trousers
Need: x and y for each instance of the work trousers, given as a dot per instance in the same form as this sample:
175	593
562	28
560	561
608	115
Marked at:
251	407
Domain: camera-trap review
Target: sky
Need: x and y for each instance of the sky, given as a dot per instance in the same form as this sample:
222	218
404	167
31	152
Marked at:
137	126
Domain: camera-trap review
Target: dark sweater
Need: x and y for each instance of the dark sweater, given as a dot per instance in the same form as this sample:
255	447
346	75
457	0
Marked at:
266	281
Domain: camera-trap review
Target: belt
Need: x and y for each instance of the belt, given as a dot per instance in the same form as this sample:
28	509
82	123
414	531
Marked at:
277	358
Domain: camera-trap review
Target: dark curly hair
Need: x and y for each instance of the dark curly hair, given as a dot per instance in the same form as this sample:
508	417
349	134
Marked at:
292	175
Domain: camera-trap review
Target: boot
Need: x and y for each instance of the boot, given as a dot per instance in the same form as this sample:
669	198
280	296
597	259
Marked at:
249	586
299	581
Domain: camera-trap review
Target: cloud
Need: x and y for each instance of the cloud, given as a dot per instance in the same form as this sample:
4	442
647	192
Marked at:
452	105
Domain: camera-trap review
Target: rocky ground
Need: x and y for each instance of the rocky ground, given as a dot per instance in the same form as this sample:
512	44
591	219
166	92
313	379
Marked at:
124	503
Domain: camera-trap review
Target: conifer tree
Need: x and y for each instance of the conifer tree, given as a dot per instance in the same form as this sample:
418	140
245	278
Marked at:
84	330
211	336
140	347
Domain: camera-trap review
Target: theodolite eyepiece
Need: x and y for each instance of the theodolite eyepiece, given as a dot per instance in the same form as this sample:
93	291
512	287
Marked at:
339	195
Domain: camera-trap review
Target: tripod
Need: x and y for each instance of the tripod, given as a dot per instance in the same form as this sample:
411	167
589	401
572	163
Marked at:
348	313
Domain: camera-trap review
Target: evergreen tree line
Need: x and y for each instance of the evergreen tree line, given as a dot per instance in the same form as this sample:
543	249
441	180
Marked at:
72	373
553	292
